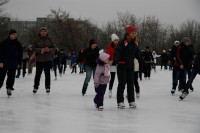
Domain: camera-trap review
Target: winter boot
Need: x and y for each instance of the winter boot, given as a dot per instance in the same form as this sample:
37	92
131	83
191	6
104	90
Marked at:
173	91
121	105
100	108
55	78
9	93
191	88
132	105
17	76
110	93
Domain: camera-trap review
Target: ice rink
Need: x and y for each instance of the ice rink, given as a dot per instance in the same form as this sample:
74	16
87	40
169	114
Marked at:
65	110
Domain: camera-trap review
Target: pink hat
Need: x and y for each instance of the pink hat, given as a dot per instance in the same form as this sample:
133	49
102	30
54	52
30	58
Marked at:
103	56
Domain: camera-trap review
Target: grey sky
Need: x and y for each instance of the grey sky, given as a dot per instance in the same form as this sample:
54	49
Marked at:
101	11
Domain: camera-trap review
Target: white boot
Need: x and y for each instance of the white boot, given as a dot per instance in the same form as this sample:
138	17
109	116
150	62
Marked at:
121	105
132	105
100	108
55	78
110	93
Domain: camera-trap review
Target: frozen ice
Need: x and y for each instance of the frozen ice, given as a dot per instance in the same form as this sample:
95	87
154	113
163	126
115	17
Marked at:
66	110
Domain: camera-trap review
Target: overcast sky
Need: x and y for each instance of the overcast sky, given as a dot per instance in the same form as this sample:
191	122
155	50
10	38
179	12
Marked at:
100	11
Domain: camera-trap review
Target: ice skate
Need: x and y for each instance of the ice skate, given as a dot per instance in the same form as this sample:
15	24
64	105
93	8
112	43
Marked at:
55	78
34	91
183	95
132	105
173	91
9	93
137	95
110	93
121	105
47	91
100	108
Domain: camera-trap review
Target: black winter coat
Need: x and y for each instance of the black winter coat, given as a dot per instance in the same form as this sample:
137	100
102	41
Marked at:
126	52
148	57
90	56
11	53
185	56
80	58
197	63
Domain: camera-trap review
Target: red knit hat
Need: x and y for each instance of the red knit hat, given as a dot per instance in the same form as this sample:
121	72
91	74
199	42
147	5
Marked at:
130	29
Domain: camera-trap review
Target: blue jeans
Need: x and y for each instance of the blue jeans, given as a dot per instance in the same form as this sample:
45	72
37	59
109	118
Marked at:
55	68
178	74
89	71
190	80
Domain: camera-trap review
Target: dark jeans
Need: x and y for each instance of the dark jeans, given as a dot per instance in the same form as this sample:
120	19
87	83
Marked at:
112	79
164	63
55	65
178	74
10	77
74	69
40	66
100	90
136	84
63	66
125	76
22	66
148	70
89	71
190	80
81	66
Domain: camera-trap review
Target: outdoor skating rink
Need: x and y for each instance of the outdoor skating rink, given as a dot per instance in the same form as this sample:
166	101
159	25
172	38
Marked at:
65	110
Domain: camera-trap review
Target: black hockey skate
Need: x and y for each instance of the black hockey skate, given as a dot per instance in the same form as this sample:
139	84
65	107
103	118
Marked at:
9	93
34	91
173	91
183	95
48	91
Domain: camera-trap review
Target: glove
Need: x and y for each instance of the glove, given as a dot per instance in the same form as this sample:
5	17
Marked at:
96	85
114	63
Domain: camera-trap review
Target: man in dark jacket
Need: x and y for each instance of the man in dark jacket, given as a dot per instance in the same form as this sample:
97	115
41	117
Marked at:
164	59
90	54
10	60
185	58
44	50
63	61
176	69
148	58
80	61
195	71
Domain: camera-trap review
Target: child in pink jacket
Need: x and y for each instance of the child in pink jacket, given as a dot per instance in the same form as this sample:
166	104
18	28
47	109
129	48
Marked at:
101	79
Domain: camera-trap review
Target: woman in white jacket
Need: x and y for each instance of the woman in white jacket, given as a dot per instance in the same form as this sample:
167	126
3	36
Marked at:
154	60
136	73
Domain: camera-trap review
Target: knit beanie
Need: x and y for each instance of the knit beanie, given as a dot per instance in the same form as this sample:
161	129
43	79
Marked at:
12	31
43	28
92	41
186	39
114	37
103	56
130	29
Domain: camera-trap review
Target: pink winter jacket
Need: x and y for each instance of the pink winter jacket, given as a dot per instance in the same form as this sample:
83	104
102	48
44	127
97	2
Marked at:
99	77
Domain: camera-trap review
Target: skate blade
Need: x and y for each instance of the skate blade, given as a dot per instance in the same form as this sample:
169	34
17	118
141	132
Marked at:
121	107
133	107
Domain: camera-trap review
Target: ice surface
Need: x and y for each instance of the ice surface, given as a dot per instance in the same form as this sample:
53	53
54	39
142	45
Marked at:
66	110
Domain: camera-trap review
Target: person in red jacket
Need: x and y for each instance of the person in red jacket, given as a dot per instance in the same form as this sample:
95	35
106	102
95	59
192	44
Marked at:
113	69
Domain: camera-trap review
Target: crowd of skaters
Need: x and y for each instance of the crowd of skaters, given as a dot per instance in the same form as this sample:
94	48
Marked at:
122	58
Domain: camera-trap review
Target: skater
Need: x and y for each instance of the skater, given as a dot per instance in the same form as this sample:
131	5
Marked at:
155	56
113	68
185	58
90	55
24	62
176	69
63	61
10	60
80	61
164	60
74	59
124	55
136	73
68	59
44	50
148	58
31	59
195	71
101	79
56	63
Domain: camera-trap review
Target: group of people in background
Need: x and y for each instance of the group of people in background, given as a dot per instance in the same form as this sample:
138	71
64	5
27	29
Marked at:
122	58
